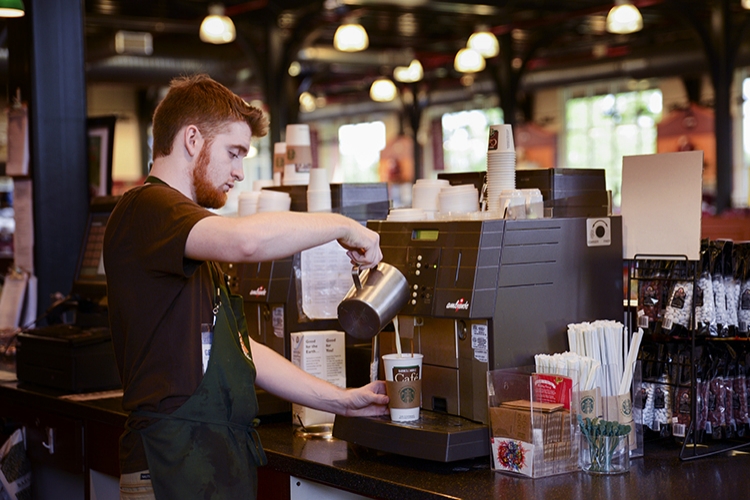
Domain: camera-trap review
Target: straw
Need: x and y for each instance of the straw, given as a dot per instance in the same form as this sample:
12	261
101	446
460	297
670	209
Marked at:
398	337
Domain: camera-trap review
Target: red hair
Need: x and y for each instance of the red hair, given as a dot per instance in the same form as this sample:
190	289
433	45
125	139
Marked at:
201	101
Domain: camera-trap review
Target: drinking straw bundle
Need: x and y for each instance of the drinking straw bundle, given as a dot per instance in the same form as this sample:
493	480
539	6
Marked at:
582	370
608	344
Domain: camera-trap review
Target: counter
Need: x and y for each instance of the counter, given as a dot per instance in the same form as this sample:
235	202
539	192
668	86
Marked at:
659	474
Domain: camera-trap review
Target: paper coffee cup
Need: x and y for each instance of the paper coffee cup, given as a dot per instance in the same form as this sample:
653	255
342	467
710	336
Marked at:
297	134
501	139
279	157
403	380
298	152
319	179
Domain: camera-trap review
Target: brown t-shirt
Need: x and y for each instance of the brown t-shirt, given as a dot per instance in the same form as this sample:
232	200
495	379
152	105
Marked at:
157	301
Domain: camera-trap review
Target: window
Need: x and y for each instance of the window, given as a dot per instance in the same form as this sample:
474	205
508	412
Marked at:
465	136
601	129
360	146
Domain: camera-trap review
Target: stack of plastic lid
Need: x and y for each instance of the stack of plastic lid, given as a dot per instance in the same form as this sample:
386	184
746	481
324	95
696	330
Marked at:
274	201
424	195
406	214
460	199
247	203
522	204
501	165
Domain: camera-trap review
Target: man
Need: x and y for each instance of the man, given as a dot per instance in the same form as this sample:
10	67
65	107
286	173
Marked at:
189	433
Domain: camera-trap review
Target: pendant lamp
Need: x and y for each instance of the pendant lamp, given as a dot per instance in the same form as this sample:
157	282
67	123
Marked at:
216	27
624	18
11	8
351	38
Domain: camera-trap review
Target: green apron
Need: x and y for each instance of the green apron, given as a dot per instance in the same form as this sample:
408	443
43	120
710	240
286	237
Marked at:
208	448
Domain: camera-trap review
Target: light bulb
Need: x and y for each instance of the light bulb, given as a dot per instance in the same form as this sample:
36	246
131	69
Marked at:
350	38
469	61
383	90
485	43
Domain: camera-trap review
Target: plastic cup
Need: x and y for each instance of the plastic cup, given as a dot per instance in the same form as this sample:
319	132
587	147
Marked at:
403	380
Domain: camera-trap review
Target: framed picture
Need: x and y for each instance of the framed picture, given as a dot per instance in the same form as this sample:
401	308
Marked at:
101	139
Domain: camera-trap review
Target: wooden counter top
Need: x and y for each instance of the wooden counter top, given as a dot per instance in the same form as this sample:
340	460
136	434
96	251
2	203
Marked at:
659	474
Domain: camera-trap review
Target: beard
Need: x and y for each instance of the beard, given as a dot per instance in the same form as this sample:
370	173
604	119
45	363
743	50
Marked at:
206	194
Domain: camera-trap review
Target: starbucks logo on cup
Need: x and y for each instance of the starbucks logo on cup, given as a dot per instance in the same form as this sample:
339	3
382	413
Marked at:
587	404
627	407
407	395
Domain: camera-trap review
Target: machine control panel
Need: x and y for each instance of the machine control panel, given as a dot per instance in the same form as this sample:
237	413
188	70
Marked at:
422	265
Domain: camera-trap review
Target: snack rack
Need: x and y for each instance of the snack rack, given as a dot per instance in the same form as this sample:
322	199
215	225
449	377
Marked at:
684	367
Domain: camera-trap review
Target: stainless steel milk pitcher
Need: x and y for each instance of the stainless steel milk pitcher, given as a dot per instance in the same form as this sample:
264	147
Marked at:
376	297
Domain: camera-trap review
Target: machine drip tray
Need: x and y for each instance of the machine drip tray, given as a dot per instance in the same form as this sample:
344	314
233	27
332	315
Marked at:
435	436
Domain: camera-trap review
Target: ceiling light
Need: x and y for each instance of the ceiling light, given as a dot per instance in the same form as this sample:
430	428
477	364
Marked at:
307	102
624	18
382	90
484	42
468	61
746	4
295	68
216	27
350	38
410	74
11	8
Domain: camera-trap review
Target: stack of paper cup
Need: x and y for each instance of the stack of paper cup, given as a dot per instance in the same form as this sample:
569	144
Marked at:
319	191
424	194
279	158
460	199
248	203
298	155
501	165
274	201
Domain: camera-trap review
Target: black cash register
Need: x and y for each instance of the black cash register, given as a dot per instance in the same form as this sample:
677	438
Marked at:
73	352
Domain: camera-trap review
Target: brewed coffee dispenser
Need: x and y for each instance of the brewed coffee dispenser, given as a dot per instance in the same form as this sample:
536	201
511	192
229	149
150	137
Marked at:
487	294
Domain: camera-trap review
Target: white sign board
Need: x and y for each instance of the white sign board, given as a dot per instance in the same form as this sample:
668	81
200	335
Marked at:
661	204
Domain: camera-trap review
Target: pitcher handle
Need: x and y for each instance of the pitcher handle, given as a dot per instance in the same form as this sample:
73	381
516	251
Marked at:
355	277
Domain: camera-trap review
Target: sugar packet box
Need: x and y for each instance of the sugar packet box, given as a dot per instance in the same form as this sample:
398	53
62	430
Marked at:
323	354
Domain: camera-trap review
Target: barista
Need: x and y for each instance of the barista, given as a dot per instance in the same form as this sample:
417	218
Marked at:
187	364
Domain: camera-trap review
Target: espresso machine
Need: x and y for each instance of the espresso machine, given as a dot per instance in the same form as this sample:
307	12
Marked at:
486	294
271	289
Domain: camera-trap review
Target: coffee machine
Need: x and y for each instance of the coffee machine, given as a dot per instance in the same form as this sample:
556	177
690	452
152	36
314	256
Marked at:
487	294
271	289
